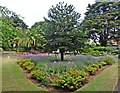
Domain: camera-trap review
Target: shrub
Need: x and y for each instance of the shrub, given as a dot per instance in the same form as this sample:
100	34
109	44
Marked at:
39	75
100	65
105	49
93	52
34	73
91	70
109	60
72	79
103	63
26	63
116	51
30	67
39	66
1	50
95	65
21	62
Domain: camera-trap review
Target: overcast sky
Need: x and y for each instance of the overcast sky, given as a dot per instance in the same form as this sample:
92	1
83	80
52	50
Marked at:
34	10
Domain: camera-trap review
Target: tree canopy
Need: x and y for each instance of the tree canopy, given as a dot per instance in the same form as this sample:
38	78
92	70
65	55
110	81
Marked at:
36	36
102	21
62	28
12	27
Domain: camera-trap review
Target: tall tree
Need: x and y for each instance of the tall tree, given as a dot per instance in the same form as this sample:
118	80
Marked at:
62	28
102	21
36	36
12	27
17	19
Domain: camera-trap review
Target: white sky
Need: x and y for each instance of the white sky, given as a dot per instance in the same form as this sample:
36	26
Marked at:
34	10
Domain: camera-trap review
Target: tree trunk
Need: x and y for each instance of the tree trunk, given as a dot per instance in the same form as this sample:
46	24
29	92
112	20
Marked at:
32	45
62	50
103	43
62	56
17	48
103	40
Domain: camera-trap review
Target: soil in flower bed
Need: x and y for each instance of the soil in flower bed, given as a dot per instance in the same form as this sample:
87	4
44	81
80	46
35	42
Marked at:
54	89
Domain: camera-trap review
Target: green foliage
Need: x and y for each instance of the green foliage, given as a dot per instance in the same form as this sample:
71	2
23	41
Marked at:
13	29
30	66
90	50
95	65
102	19
117	51
22	61
39	75
62	28
103	63
109	60
73	79
99	65
95	51
26	63
35	36
54	68
7	31
10	34
68	75
90	69
105	49
1	50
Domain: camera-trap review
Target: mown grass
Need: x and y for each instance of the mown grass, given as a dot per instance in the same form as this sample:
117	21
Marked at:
105	81
0	73
13	78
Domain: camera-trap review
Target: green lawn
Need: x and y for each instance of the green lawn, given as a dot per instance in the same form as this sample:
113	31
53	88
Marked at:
0	74
105	81
13	78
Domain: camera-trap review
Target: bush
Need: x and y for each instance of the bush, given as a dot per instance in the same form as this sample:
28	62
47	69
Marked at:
103	63
105	49
73	79
116	51
1	50
30	66
95	65
91	70
21	62
100	65
109	60
39	75
26	63
94	52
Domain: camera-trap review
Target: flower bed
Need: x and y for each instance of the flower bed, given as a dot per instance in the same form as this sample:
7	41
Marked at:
64	75
29	55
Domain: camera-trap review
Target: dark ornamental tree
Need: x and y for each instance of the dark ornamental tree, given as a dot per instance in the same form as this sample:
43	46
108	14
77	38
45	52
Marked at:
62	28
102	21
